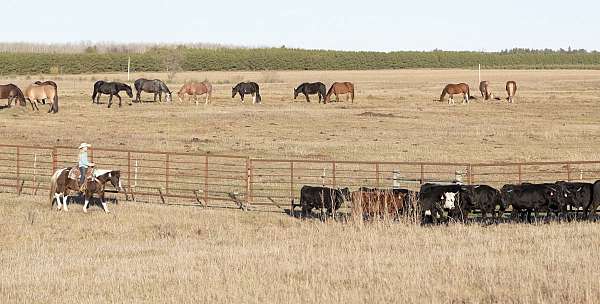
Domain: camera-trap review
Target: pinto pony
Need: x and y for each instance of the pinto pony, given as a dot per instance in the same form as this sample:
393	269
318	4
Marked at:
62	185
194	89
12	92
35	92
338	88
511	90
461	88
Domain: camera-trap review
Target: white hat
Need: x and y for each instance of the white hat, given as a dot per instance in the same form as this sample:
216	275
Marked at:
84	145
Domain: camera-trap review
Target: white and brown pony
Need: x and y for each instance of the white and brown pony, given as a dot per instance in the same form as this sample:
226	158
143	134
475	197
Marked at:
460	88
62	185
338	88
37	93
511	90
194	89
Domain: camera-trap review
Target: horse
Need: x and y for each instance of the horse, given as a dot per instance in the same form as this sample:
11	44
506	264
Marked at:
311	88
63	182
35	92
340	88
486	92
251	88
511	90
461	88
12	92
194	89
111	88
155	86
50	82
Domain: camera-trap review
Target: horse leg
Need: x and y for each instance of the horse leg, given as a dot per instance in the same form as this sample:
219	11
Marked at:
110	100
160	96
307	98
120	99
103	203
337	98
253	98
155	97
242	96
206	100
58	202
98	98
65	197
87	202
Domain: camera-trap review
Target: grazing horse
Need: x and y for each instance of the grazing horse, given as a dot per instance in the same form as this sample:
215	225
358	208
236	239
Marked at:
12	92
461	88
251	88
511	90
111	88
311	88
35	92
50	82
340	88
155	86
194	89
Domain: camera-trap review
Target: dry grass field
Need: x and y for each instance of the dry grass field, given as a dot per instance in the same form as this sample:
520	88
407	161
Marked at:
147	253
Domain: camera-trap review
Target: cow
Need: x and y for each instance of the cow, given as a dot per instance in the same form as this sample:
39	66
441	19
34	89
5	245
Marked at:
371	203
482	197
322	198
581	196
527	198
435	198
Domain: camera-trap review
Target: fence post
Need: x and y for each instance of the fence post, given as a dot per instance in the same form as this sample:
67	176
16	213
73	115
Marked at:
422	174
54	159
568	172
333	173
292	182
520	173
167	159
129	174
377	175
206	179
18	169
248	182
471	179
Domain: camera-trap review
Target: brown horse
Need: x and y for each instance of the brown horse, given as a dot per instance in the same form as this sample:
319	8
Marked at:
12	92
340	88
461	88
36	92
194	89
511	90
486	92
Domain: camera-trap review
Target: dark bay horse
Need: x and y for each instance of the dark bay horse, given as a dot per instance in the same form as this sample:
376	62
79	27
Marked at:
460	88
311	88
194	89
511	90
251	88
110	88
155	86
486	91
35	93
12	92
49	82
340	88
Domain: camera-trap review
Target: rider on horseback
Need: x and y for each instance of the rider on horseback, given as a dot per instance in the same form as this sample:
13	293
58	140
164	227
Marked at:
83	162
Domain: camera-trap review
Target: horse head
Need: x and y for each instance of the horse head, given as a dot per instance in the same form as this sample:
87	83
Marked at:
234	91
296	92
115	179
169	97
128	90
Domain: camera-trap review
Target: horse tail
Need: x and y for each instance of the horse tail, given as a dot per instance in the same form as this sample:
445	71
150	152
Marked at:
258	98
94	93
21	97
55	103
352	92
443	95
54	185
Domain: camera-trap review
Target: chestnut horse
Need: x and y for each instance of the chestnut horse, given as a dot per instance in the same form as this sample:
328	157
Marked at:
340	88
194	89
35	92
12	92
461	88
511	89
486	92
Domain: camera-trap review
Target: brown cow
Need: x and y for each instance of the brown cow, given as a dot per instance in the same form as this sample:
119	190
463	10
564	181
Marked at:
378	203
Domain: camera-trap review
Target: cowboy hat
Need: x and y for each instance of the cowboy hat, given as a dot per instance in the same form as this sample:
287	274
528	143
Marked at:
84	145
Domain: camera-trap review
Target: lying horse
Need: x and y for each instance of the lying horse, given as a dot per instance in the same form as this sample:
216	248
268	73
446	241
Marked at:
340	88
12	92
111	88
511	90
194	89
155	86
311	88
251	88
461	88
35	92
49	82
65	181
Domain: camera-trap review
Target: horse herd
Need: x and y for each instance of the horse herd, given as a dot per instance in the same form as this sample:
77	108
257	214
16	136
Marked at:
442	202
40	92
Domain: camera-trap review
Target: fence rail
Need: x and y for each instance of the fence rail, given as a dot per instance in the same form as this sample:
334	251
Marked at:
234	181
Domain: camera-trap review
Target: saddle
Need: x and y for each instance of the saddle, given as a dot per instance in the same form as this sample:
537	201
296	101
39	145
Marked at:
76	175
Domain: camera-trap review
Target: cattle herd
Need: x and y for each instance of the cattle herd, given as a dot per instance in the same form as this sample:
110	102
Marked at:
443	202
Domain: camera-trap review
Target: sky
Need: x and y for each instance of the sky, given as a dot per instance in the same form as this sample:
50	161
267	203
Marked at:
372	25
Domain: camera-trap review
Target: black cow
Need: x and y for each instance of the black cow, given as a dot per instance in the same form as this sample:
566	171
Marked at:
527	198
580	195
482	197
322	198
435	198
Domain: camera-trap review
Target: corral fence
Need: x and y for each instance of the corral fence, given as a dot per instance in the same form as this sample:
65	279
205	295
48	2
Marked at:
243	182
